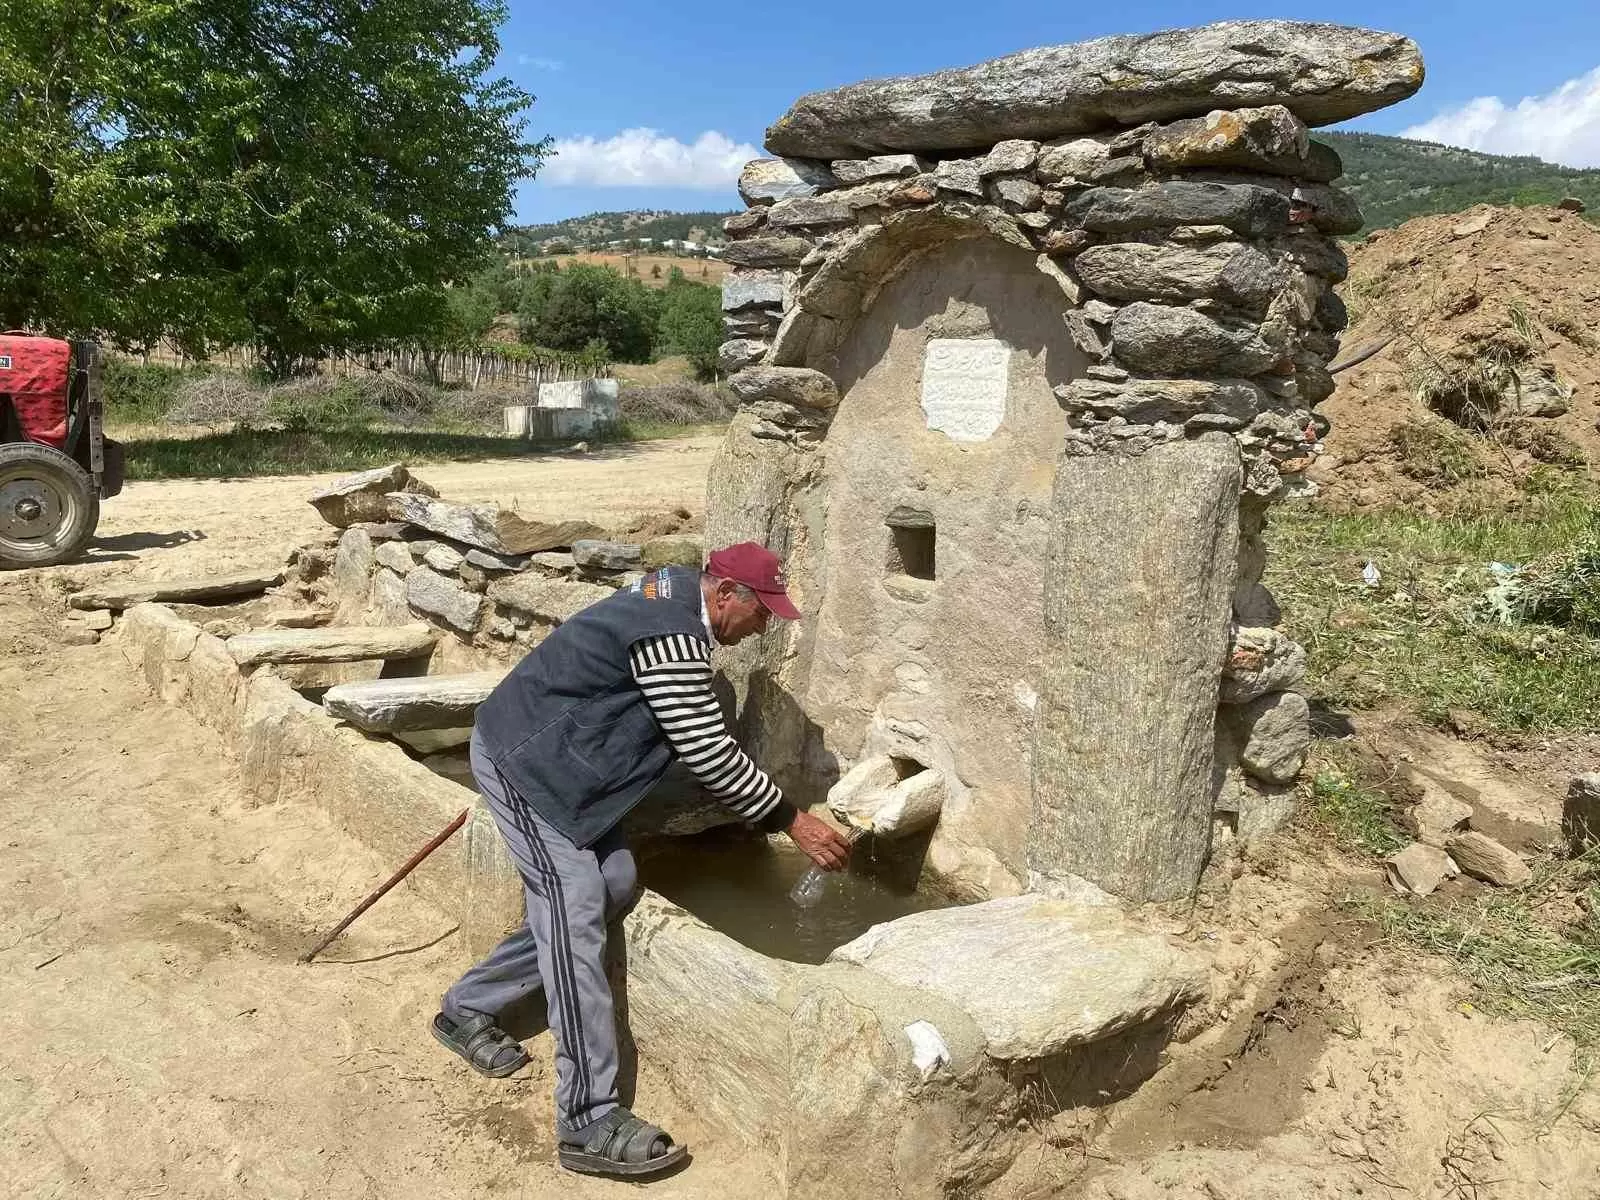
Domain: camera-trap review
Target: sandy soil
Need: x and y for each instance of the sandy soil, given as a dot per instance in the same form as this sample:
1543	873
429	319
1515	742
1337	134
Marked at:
1449	291
170	529
162	1039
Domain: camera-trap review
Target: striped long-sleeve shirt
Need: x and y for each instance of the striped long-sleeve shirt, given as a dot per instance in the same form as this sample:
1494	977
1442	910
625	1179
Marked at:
674	672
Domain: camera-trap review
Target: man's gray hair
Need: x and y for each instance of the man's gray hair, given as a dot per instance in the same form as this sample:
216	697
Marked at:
743	591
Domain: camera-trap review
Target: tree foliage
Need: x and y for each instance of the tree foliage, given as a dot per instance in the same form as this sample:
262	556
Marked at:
1395	179
303	174
691	322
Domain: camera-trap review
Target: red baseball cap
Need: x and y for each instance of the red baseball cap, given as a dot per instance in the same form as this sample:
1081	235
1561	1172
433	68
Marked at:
760	570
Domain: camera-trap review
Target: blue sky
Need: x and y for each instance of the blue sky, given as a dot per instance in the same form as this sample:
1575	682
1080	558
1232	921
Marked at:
653	94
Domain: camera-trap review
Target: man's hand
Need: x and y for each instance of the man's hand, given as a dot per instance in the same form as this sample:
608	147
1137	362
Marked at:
821	842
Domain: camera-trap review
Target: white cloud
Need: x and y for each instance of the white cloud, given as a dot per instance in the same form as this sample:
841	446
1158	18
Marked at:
1561	127
540	64
648	158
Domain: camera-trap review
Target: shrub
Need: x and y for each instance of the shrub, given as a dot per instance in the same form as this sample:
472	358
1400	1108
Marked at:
675	404
218	398
1433	452
140	393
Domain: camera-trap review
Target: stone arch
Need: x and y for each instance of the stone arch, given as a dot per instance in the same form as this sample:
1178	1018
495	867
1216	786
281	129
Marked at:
829	302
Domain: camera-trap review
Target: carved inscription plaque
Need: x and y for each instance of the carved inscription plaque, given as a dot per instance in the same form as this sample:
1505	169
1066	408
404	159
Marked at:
964	386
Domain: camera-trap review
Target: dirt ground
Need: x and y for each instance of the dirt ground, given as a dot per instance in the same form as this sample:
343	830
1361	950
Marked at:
163	1042
170	529
1452	290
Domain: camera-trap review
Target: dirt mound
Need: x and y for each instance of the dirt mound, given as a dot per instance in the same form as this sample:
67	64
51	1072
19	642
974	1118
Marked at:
1493	368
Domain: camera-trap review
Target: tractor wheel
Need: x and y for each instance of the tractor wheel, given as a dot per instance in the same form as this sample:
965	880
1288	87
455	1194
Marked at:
48	506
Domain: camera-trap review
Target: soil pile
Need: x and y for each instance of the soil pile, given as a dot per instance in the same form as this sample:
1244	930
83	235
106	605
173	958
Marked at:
1492	380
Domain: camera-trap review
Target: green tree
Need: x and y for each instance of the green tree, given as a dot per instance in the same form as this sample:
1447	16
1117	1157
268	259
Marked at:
302	174
691	322
588	304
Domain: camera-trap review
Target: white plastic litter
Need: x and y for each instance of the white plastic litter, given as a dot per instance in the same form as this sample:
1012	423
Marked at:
1369	574
928	1050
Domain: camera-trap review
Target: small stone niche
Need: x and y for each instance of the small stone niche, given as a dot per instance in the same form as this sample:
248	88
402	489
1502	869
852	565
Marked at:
912	544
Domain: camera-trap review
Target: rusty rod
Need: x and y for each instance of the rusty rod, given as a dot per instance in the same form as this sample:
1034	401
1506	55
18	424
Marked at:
411	865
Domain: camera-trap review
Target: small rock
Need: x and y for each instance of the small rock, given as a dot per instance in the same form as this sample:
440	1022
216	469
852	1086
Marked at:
674	551
768	180
472	578
1260	661
959	175
799	386
1539	234
1438	816
436	596
361	497
74	634
396	556
1279	736
1580	815
501	628
485	561
1484	858
1473	225
880	166
1419	869
1020	194
607	556
98	619
740	353
1010	156
444	559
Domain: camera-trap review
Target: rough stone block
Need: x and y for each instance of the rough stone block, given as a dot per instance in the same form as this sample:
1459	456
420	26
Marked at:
674	551
396	556
1270	139
549	600
607	556
120	596
1438	816
768	180
1159	339
1036	976
1580	814
1260	661
1234	273
1275	733
1144	401
740	353
1244	208
879	166
442	599
360	497
1419	869
767	253
745	290
799	386
1480	856
486	527
445	559
1140	575
1012	156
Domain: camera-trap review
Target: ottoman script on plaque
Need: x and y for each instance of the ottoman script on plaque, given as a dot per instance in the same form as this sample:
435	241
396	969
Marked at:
964	386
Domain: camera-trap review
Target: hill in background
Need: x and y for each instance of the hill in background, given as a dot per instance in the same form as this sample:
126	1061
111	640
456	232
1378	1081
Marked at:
1394	179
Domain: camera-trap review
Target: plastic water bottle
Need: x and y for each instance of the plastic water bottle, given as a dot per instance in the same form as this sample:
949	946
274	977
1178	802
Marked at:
809	889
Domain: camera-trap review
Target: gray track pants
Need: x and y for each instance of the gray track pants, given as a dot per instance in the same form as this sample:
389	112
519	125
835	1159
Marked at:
571	895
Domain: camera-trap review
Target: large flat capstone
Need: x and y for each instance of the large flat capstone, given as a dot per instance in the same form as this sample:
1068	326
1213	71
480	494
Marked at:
1321	73
408	705
1037	976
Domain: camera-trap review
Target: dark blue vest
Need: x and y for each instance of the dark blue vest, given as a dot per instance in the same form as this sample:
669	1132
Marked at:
569	729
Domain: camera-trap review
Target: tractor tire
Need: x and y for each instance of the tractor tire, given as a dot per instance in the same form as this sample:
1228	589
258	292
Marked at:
48	506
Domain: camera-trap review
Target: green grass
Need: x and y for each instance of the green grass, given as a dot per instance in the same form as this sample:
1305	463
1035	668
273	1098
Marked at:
246	452
1358	815
1531	952
1415	639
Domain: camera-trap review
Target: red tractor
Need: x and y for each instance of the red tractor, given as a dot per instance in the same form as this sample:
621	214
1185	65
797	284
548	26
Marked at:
56	463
